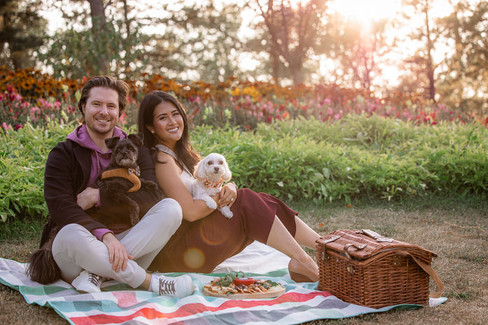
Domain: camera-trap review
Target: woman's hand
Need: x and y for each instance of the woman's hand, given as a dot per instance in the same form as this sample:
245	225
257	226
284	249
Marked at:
88	198
227	195
117	254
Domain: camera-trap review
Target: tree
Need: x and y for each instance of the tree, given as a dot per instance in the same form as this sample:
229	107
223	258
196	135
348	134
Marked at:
464	84
109	45
422	61
293	33
196	41
21	31
356	50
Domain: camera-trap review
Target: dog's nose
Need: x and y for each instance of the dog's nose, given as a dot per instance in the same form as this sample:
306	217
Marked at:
216	169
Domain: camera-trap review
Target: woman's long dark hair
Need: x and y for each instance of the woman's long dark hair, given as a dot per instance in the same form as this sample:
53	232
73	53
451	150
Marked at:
184	150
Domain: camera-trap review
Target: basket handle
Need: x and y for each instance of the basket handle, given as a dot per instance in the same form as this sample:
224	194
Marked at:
431	272
358	247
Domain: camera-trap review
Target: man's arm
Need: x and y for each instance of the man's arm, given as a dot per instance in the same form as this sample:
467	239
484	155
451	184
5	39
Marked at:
63	177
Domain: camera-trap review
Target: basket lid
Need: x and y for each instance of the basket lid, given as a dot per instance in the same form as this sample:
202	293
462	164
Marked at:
362	244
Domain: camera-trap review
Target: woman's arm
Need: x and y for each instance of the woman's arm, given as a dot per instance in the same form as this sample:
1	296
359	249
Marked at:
169	180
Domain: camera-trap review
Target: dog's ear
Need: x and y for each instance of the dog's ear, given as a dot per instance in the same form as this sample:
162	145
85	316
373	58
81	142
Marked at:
137	139
112	142
228	174
199	172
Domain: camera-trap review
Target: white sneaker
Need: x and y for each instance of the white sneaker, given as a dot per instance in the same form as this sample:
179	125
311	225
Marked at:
87	282
178	287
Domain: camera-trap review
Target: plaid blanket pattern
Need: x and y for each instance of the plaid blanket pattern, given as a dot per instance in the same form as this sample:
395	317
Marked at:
119	304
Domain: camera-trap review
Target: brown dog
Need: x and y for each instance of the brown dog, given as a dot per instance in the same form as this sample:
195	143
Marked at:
122	177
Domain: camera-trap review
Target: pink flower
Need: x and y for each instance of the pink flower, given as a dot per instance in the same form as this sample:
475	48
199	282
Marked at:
34	113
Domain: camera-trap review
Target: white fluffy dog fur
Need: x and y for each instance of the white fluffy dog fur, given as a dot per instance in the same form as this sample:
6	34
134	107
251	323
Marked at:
210	173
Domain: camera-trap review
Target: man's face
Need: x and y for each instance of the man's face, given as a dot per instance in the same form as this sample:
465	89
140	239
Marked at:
101	111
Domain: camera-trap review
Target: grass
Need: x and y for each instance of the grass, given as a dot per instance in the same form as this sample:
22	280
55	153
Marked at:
455	228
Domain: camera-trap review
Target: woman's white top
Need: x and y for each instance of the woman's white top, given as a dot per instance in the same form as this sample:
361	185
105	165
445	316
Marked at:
186	177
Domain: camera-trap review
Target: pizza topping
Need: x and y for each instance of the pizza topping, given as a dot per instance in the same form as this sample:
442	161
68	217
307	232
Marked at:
236	282
244	281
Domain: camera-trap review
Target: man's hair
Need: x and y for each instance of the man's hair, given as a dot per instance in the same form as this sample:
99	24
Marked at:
119	86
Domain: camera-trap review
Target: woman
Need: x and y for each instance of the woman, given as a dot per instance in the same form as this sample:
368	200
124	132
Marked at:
206	238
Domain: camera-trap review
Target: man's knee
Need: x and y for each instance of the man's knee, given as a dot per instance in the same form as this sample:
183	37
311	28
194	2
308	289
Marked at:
169	212
69	235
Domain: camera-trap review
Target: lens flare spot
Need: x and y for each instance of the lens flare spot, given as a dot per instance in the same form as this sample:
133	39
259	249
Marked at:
194	258
216	238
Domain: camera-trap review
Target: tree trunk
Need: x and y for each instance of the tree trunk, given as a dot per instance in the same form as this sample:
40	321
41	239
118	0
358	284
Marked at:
128	33
430	67
97	12
275	64
296	68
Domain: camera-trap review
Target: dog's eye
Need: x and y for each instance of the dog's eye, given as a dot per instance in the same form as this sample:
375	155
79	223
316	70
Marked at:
221	162
210	162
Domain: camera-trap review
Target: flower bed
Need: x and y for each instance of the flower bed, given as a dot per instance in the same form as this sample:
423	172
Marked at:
29	95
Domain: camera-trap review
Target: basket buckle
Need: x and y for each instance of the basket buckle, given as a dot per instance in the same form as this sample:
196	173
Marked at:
331	239
376	236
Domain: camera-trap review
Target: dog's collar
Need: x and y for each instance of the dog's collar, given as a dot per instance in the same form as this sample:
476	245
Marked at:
207	183
129	174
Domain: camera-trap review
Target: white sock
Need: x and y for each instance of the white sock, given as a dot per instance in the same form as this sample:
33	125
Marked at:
154	284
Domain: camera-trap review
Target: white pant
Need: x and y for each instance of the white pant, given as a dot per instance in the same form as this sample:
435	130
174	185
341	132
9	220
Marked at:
75	249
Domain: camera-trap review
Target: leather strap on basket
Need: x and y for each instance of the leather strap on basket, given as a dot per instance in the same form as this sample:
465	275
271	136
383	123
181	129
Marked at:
431	272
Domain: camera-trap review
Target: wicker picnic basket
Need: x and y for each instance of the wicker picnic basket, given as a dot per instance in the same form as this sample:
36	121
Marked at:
365	268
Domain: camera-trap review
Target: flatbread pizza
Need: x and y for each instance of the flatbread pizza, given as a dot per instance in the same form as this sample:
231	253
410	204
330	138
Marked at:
236	285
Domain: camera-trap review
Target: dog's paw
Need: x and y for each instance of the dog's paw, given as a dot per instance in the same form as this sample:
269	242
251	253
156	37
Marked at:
226	212
134	215
207	199
149	185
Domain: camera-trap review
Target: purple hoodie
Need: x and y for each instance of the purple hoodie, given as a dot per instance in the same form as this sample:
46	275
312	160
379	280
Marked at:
100	160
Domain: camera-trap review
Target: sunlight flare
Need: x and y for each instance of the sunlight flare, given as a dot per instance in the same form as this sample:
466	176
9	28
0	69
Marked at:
366	12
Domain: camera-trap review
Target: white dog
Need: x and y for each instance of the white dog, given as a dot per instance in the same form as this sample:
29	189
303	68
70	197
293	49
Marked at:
210	173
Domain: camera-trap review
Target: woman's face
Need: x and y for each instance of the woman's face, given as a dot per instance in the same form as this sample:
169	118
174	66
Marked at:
167	124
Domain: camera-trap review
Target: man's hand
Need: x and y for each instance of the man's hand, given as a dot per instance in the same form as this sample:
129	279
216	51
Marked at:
117	254
88	198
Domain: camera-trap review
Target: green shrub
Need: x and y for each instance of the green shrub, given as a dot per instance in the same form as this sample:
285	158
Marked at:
301	160
23	156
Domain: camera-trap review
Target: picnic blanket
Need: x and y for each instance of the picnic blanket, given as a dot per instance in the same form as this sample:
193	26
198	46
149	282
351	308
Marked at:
119	304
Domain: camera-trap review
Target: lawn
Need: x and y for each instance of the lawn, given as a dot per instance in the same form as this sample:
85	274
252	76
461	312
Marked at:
455	228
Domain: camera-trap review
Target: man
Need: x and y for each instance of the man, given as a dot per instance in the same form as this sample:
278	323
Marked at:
85	250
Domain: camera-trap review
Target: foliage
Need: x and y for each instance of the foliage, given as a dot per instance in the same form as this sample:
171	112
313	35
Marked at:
200	41
302	160
22	30
466	26
292	33
73	54
23	156
357	51
356	157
